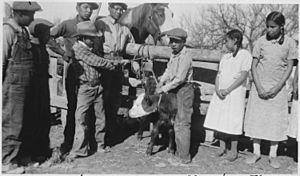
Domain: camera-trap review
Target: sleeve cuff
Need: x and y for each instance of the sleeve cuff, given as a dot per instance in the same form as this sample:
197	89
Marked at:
165	89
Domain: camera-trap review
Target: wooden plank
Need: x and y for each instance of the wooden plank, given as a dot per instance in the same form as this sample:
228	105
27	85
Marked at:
165	52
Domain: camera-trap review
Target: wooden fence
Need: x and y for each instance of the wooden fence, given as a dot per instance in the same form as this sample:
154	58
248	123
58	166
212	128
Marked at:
205	65
204	73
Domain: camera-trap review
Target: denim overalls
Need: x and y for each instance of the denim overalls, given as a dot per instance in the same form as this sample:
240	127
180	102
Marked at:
18	77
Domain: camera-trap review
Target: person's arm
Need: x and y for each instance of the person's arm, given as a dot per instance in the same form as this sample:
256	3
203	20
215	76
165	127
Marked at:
180	76
274	91
92	59
245	59
239	81
165	76
292	54
260	90
8	39
56	32
217	87
55	47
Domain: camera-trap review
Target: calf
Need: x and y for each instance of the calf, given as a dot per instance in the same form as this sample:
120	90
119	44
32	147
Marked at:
160	109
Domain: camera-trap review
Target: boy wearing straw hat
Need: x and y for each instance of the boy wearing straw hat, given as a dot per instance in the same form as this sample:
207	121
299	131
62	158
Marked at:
90	92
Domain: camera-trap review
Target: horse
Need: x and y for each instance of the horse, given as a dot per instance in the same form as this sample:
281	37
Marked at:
148	19
160	109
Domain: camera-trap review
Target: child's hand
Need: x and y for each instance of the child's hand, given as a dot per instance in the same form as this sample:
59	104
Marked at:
112	67
262	93
158	90
159	85
134	82
273	92
219	94
224	92
135	65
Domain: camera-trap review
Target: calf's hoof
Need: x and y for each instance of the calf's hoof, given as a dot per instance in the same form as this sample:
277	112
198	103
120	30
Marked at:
149	152
139	137
170	150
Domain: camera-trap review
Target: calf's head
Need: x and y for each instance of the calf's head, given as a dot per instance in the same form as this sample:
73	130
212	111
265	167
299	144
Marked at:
146	103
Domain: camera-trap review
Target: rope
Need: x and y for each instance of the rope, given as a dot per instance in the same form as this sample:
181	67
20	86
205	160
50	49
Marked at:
159	100
141	73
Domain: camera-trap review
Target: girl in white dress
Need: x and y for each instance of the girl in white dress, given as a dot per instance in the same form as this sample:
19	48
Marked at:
226	110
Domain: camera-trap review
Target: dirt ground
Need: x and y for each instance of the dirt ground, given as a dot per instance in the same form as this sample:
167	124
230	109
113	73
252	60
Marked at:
128	157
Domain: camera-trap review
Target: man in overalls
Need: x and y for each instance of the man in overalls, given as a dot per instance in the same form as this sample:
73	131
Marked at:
16	79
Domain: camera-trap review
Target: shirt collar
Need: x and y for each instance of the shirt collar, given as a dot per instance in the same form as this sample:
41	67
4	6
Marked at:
12	22
111	19
274	41
78	20
84	45
181	52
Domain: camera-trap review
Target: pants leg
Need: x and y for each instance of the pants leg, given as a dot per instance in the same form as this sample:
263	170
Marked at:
185	97
71	90
86	96
42	144
113	103
13	103
100	116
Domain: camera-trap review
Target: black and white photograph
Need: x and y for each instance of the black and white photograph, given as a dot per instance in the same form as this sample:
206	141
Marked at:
150	87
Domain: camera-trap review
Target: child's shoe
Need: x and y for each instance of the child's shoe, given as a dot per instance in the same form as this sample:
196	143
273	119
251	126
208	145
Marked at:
221	152
252	159
274	162
231	157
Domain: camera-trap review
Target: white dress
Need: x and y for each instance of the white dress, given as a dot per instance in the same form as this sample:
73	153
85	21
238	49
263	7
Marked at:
227	115
293	121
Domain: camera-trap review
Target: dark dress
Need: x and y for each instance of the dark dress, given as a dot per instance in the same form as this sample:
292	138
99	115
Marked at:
40	102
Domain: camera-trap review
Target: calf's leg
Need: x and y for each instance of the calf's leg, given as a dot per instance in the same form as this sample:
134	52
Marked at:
171	147
154	135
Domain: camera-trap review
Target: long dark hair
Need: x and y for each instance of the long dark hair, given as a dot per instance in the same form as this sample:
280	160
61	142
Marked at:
279	19
238	35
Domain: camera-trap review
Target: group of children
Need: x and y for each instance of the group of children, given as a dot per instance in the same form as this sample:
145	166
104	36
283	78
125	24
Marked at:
264	118
266	115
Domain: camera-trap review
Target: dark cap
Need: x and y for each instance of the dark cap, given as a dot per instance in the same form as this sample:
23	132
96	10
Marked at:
39	26
176	33
123	5
26	6
92	4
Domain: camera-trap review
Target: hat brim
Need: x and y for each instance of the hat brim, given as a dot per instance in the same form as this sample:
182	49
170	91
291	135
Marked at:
87	34
175	37
123	5
93	5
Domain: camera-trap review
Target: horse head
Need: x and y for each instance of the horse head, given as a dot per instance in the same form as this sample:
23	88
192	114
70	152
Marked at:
148	18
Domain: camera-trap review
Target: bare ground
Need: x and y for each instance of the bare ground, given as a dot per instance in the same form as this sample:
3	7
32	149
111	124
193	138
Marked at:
128	157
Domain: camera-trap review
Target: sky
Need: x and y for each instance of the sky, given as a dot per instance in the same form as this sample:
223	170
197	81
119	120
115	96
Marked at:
65	9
